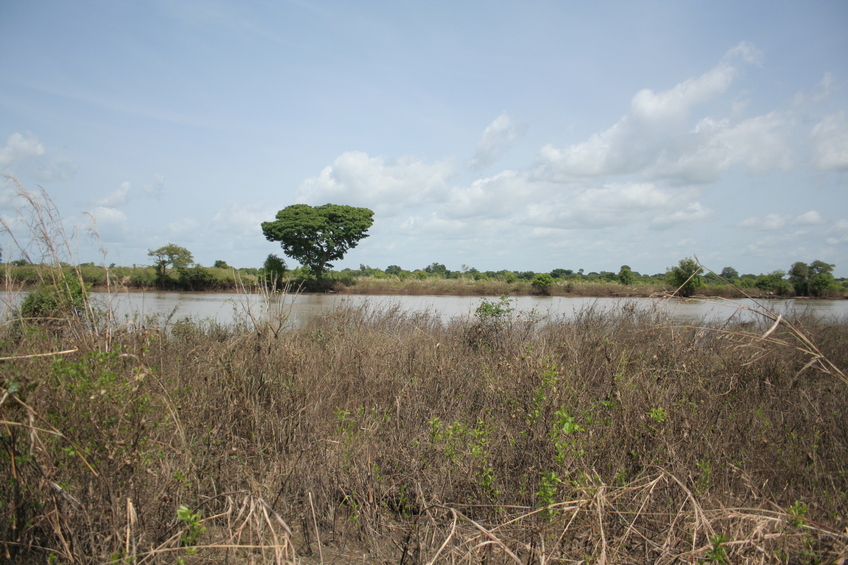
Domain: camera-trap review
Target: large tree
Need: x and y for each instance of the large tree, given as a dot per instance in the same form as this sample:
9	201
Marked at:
314	236
170	255
814	279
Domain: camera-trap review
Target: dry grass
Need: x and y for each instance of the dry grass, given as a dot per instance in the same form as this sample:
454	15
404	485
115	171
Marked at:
617	438
468	287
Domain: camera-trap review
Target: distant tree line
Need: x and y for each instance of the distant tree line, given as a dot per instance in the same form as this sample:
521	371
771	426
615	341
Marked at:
173	267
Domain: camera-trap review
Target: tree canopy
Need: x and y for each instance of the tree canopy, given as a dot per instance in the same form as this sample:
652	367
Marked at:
314	236
685	277
811	280
170	255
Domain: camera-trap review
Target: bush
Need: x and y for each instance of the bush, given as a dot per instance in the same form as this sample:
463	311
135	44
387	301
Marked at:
774	282
626	276
55	300
195	278
685	278
542	283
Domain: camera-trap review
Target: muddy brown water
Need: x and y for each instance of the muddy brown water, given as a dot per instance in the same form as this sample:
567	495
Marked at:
227	308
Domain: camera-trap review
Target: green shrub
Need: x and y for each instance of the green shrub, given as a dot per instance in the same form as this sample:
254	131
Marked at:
542	283
685	278
55	300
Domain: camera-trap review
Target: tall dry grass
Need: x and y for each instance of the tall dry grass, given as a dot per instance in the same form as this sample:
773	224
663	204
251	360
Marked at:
613	437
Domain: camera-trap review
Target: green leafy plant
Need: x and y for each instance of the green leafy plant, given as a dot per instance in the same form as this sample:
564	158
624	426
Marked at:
717	552
194	528
658	415
548	487
798	514
563	435
704	480
499	311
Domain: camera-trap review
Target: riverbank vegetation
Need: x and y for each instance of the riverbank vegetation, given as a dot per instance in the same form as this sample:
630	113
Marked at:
435	279
384	436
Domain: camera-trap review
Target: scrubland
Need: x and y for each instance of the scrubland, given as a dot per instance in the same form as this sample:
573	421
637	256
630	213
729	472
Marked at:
379	436
383	436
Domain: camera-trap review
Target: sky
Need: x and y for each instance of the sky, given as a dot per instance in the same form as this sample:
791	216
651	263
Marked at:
527	136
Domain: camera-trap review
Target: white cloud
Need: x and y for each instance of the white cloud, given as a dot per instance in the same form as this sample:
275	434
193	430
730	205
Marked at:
675	105
610	205
496	140
656	141
829	143
776	221
811	218
494	197
770	222
713	147
25	154
360	180
109	224
691	213
117	198
125	193
106	215
19	147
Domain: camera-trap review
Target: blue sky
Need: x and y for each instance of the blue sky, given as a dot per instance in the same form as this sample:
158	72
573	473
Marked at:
517	135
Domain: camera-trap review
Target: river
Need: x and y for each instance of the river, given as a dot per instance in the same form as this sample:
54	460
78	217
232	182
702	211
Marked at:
226	308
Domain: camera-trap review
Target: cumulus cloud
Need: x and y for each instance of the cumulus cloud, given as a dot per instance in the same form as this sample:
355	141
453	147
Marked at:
655	138
376	183
496	140
612	205
674	105
125	193
493	197
19	147
761	143
776	221
109	216
117	198
110	224
26	155
692	212
770	222
829	143
811	218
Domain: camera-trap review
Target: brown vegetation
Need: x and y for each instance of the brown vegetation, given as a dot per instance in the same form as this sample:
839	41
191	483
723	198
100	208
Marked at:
383	436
